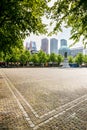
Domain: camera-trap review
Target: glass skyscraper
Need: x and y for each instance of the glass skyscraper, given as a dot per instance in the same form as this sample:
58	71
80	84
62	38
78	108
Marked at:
75	51
33	46
63	42
27	45
64	50
53	45
44	45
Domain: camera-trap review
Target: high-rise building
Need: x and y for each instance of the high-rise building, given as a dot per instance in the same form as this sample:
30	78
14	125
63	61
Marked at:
53	45
32	47
63	42
64	50
27	45
44	45
75	51
85	51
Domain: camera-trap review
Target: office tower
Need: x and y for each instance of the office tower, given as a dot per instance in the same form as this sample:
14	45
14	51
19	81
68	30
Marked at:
53	45
85	51
27	45
64	50
75	51
44	45
63	42
32	46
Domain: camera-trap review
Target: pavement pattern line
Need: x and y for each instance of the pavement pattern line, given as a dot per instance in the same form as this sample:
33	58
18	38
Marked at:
31	124
50	112
33	111
66	105
70	105
57	115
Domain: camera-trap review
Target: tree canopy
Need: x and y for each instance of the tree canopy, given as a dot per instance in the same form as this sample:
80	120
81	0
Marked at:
74	14
42	57
19	18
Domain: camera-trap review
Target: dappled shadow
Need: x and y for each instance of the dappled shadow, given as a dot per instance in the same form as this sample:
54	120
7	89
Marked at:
3	127
6	120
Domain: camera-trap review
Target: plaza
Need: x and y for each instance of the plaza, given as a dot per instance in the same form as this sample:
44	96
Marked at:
43	99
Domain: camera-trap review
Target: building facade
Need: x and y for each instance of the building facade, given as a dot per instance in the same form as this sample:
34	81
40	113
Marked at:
44	45
75	51
64	50
53	45
85	51
27	45
31	46
63	42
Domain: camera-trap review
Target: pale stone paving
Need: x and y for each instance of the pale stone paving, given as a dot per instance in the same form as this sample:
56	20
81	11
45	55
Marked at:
43	99
11	117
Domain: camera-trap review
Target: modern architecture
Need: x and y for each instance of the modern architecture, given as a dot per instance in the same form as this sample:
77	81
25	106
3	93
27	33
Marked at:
53	45
32	47
64	50
63	42
44	45
75	51
85	51
27	45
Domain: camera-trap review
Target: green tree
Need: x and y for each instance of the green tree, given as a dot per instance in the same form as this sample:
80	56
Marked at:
74	14
13	53
79	59
59	59
53	57
1	56
48	57
19	18
27	53
85	59
42	57
7	58
70	59
34	58
23	57
12	56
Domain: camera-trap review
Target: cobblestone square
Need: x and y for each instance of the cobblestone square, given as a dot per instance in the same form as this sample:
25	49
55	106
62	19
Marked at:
43	99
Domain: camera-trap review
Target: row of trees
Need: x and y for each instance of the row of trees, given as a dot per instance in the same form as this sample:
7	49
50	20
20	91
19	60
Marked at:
79	59
24	57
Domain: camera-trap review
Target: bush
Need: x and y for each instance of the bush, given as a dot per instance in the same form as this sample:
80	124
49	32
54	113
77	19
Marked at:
79	59
70	59
59	59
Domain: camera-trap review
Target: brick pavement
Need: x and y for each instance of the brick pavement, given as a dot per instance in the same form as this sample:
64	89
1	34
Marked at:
11	116
17	113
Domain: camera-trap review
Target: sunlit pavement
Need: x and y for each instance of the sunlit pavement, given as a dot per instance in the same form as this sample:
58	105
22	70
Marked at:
43	99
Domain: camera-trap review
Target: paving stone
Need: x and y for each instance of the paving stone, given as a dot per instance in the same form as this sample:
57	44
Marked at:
43	99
